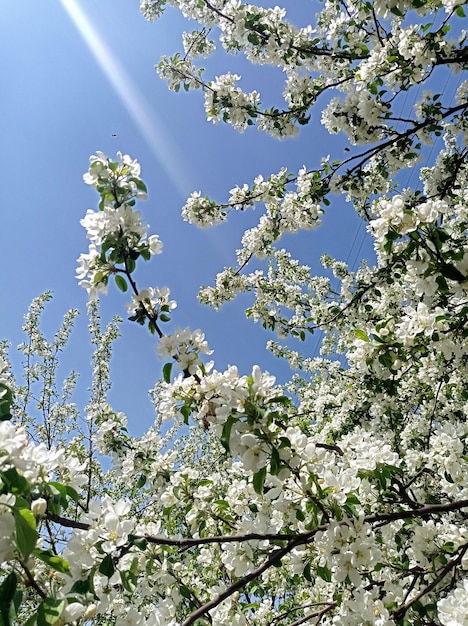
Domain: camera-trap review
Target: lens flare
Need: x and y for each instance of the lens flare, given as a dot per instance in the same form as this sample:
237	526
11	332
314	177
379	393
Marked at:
145	118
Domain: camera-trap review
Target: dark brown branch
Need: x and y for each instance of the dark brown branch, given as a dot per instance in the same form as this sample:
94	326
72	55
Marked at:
367	154
297	539
304	538
293	541
32	582
151	318
424	511
329	606
331	447
399	614
218	12
190	543
68	523
275	557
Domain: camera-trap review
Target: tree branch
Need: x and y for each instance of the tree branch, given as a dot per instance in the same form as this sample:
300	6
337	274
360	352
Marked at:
65	521
399	614
304	538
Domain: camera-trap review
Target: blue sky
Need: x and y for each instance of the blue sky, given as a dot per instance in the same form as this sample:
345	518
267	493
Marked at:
78	76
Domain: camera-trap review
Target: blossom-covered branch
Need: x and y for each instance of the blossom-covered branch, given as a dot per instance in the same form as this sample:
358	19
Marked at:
338	498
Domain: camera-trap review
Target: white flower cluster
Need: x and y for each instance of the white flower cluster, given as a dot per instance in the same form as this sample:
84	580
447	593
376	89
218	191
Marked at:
180	71
152	9
109	527
7	528
113	221
359	115
394	214
339	499
202	211
197	44
344	49
227	284
102	171
35	464
117	225
184	346
87	272
224	101
453	609
153	299
348	552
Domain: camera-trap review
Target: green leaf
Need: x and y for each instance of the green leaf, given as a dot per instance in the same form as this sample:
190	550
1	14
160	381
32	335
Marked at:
360	334
121	282
275	462
131	265
186	410
222	505
129	581
58	500
205	483
352	505
14	482
386	359
259	480
9	599
145	253
140	185
226	434
49	611
452	273
8	587
167	369
307	573
279	400
185	592
141	481
100	277
442	283
460	12
53	561
72	493
324	573
26	534
107	567
58	493
81	587
139	542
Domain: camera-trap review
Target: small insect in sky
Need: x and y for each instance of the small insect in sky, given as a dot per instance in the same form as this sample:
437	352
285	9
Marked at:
114	134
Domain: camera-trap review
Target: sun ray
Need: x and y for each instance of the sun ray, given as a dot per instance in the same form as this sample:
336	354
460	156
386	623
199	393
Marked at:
145	118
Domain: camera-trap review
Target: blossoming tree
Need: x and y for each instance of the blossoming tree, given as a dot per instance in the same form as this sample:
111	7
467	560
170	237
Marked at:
339	498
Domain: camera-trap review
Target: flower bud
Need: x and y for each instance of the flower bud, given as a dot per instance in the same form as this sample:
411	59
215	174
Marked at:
39	507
